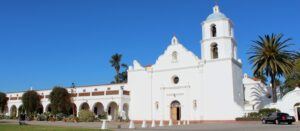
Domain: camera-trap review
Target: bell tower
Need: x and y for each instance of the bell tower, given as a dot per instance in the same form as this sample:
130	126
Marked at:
217	37
221	69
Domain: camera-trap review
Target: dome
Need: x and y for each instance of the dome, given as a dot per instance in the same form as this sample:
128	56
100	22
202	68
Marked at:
216	16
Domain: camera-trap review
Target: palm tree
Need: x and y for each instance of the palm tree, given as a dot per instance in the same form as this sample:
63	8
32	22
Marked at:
270	57
115	62
123	75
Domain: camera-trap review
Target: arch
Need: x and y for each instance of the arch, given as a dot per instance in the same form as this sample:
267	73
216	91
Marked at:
175	110
40	109
84	106
125	111
297	111
13	111
112	110
98	108
213	30
214	51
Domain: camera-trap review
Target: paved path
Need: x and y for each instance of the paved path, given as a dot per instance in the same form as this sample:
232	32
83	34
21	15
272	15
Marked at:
233	126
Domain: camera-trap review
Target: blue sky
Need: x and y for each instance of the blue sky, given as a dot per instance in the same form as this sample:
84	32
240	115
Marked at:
44	43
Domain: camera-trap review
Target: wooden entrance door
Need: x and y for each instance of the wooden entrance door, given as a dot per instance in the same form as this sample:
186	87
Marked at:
175	111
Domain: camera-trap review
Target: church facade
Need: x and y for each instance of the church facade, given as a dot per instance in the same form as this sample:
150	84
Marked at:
180	85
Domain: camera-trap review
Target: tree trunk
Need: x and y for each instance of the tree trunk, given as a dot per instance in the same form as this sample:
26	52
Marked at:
274	93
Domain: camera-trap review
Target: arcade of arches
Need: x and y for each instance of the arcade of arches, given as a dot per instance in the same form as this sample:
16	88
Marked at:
112	109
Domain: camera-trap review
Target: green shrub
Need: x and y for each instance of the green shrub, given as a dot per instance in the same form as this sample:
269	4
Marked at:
4	117
12	117
41	117
256	116
86	116
253	115
247	119
103	115
266	111
60	116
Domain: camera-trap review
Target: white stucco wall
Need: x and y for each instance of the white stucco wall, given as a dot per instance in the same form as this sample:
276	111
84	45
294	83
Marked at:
288	102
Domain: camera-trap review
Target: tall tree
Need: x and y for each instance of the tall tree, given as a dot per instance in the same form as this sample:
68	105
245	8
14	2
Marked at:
269	56
31	101
115	62
60	100
293	79
3	101
123	74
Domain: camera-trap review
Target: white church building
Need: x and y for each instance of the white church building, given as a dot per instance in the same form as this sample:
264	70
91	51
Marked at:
180	85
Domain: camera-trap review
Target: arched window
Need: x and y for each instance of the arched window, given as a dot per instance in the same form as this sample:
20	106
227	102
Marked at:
213	30
214	51
174	56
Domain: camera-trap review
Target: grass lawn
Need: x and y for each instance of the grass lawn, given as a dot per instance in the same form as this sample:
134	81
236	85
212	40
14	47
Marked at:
13	127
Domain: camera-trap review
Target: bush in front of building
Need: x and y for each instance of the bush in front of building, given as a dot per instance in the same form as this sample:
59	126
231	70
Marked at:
4	117
102	116
71	118
256	116
86	116
60	100
31	101
3	102
41	117
266	111
60	116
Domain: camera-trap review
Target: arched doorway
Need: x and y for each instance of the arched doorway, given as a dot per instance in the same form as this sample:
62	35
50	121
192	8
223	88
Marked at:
297	111
13	111
98	108
40	109
84	106
113	110
175	110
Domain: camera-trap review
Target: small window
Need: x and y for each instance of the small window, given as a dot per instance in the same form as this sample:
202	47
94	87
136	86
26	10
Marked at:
195	104
174	56
84	90
175	79
108	88
213	30
214	51
95	89
156	105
